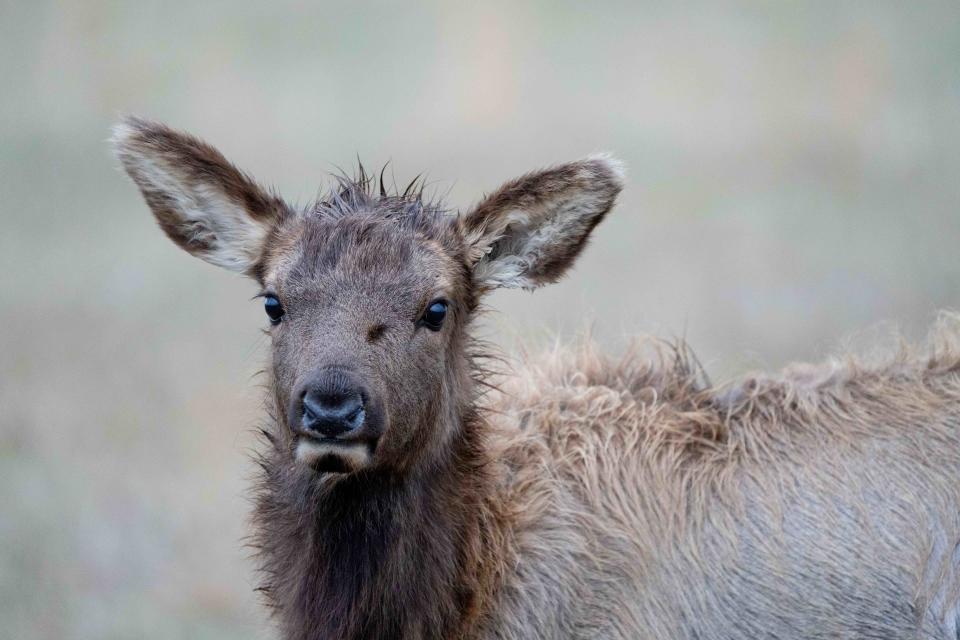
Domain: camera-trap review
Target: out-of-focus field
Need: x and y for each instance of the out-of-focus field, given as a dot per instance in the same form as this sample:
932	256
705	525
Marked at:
794	176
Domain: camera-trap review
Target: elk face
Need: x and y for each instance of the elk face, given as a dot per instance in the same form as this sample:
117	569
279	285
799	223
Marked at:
368	296
368	308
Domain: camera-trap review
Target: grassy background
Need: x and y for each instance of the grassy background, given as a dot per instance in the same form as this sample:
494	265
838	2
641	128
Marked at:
793	178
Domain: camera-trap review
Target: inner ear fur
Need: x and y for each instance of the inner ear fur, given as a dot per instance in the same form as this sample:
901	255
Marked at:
529	232
201	201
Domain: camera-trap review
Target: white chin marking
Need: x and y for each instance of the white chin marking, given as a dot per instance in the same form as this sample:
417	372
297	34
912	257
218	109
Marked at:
353	455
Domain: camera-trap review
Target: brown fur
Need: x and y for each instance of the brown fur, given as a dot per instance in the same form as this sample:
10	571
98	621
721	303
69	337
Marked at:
583	497
820	503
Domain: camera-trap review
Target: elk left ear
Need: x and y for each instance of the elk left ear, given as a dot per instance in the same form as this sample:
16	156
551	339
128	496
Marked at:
530	231
203	203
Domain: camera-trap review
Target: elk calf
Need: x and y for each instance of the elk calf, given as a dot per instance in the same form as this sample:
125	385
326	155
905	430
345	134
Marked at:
589	498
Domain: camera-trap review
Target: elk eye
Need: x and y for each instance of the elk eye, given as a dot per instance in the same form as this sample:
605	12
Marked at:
273	308
434	315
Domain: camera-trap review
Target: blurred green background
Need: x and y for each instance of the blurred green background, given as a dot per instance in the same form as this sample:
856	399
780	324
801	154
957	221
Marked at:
794	177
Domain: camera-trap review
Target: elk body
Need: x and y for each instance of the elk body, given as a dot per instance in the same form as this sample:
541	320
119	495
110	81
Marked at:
587	498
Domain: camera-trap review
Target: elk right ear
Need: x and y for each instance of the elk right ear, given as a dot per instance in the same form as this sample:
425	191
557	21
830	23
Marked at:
530	231
202	202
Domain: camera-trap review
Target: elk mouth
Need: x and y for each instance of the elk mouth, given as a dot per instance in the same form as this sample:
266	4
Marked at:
332	455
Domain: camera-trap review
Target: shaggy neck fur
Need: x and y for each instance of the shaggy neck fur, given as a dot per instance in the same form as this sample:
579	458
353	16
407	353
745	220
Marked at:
373	554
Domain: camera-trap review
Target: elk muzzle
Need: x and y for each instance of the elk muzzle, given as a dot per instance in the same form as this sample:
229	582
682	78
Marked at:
336	421
331	413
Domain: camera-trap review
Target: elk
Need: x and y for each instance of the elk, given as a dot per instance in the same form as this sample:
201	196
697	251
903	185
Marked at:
584	496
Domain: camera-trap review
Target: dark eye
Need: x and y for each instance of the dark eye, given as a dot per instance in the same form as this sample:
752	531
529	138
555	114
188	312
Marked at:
434	315
273	308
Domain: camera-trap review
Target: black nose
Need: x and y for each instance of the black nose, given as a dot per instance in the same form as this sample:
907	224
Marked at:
332	407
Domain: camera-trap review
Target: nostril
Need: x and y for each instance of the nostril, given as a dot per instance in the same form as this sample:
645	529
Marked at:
355	419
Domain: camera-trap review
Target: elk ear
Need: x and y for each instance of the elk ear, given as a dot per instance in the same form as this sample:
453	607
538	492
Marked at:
530	231
202	202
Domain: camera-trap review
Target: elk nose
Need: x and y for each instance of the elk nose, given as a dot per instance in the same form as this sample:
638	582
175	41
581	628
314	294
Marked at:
331	413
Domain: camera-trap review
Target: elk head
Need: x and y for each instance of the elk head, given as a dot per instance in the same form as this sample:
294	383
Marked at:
368	294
